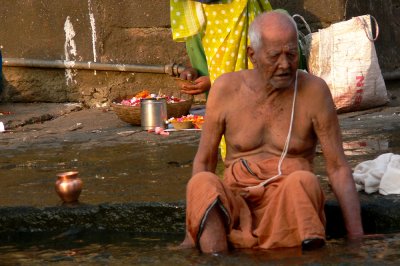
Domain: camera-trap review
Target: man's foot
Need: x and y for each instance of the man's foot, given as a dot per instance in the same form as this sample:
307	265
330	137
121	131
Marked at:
186	244
181	246
312	243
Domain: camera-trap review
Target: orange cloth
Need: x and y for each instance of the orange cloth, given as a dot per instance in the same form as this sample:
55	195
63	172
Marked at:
282	214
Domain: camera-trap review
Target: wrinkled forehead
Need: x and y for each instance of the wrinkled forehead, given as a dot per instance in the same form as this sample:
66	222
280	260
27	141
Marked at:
280	44
279	33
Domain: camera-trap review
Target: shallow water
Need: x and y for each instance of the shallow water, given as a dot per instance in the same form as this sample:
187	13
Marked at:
128	249
117	173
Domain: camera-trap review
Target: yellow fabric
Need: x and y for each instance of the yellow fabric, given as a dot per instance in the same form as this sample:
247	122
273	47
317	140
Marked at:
187	19
225	38
224	26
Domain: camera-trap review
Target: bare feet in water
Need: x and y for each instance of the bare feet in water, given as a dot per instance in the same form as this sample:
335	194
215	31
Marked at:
186	244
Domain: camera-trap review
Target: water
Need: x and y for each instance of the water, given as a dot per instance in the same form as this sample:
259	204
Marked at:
116	173
129	249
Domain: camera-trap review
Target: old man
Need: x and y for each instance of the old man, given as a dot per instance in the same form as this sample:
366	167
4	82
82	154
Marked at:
272	117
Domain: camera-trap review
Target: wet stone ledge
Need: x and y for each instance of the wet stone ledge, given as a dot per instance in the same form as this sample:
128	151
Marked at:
380	215
134	217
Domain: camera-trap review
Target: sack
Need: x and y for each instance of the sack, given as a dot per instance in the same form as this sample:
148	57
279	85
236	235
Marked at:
344	55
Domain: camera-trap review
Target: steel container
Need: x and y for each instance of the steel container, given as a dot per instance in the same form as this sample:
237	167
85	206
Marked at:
153	112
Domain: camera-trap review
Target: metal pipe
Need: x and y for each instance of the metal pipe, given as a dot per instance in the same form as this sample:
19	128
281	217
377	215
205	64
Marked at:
394	75
171	69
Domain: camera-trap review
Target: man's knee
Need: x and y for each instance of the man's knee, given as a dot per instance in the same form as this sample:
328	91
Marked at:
203	183
306	183
306	179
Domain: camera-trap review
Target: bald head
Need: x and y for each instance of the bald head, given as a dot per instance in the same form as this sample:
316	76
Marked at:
274	21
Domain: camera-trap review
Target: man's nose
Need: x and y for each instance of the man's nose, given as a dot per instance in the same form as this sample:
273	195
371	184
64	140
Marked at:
283	62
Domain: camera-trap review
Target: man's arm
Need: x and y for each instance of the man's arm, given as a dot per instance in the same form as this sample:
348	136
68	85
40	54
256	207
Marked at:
212	130
327	128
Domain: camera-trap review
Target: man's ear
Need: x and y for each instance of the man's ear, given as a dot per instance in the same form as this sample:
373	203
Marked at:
250	54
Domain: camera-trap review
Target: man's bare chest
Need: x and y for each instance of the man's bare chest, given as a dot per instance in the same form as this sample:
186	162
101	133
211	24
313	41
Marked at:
268	129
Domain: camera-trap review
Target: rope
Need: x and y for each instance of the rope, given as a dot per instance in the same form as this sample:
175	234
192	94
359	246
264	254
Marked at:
366	28
286	147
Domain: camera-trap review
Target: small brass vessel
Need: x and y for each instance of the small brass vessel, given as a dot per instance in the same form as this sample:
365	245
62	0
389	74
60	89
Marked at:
69	186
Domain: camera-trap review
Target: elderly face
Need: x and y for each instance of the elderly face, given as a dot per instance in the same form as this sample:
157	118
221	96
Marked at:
277	57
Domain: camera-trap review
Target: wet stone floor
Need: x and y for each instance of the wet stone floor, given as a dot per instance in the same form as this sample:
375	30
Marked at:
148	168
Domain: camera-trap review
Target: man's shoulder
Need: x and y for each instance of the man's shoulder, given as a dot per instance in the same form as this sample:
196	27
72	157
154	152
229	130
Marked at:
231	79
228	76
315	89
312	83
226	86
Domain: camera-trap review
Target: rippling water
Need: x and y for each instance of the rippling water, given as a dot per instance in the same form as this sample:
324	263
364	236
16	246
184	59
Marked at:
129	249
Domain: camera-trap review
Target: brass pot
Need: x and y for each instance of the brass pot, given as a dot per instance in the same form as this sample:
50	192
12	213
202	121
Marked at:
69	186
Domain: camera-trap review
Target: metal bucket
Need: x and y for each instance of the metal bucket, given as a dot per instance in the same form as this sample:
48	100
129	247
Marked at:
153	112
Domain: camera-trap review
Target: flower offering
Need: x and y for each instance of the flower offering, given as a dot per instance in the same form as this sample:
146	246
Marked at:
135	101
128	109
197	120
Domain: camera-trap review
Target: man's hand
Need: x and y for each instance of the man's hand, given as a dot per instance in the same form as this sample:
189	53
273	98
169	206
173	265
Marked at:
200	85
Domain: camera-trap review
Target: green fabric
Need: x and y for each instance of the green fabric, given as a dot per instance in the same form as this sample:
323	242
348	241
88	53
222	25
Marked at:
195	51
196	54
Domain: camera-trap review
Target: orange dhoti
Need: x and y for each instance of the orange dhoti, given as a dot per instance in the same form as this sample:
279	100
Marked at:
285	212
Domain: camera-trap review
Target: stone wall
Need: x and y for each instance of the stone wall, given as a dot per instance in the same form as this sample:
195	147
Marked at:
131	32
106	31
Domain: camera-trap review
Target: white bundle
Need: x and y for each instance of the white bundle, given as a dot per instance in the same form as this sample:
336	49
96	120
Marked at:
382	173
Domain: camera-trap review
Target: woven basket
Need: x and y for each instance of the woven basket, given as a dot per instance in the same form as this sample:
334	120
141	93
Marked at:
182	125
131	114
128	114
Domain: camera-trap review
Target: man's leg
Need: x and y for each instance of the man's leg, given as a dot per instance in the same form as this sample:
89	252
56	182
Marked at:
208	212
213	237
291	212
309	203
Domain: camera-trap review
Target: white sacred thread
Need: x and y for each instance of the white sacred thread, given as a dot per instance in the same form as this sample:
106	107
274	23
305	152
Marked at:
286	147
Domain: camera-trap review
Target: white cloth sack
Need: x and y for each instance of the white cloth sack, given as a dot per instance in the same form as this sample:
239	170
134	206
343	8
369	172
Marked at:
344	55
382	173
